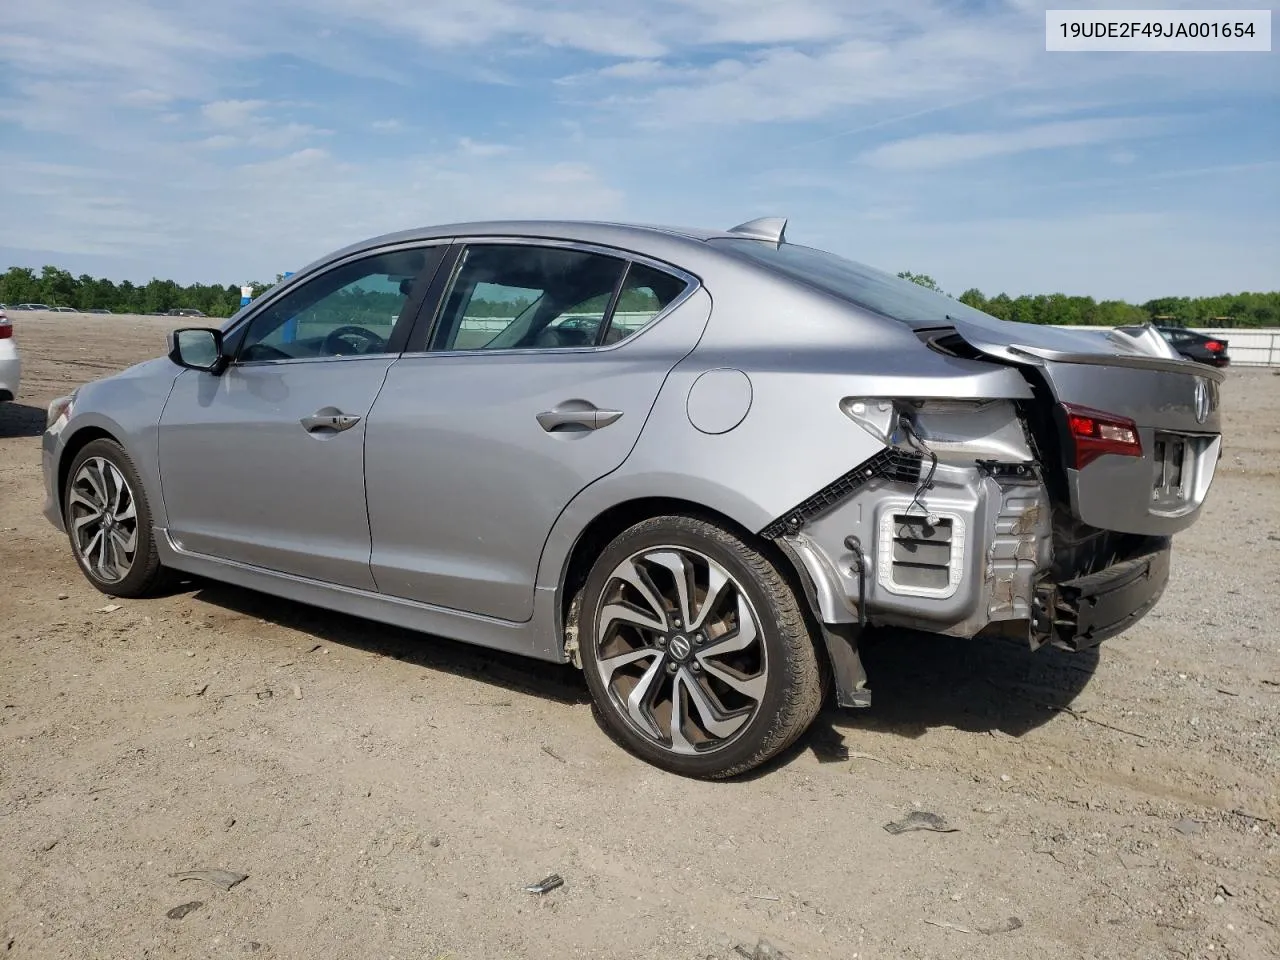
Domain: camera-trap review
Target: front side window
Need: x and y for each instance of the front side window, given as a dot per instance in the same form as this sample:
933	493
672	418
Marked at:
350	310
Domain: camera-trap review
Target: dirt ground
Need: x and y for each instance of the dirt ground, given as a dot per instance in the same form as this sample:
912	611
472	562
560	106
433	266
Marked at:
389	794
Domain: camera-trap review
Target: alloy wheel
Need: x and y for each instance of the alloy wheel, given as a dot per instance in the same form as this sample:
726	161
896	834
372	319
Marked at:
680	650
103	518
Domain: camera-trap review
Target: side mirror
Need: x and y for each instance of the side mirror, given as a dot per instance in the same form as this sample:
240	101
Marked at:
197	348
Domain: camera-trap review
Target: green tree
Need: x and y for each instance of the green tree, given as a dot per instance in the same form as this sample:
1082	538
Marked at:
923	279
57	287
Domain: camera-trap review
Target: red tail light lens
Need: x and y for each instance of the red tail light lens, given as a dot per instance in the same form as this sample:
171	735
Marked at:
6	329
1213	346
1096	433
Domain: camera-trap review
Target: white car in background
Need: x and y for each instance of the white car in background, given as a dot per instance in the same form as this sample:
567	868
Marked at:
10	365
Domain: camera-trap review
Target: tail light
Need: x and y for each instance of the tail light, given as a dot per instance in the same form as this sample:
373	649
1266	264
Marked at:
1095	434
6	328
1214	346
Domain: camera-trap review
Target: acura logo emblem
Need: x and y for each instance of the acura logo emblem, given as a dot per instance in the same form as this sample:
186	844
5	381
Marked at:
1202	400
680	647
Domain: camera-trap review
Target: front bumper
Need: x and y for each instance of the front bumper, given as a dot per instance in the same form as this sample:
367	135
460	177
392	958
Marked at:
50	454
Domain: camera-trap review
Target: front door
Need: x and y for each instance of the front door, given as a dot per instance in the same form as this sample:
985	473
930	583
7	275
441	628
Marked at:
538	376
264	464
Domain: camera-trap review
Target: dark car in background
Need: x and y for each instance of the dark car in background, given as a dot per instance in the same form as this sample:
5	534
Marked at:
1197	346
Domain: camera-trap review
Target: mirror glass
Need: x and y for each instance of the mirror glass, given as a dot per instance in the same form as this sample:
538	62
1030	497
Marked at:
197	348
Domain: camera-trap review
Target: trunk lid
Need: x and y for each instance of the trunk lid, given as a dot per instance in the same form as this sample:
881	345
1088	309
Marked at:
1155	486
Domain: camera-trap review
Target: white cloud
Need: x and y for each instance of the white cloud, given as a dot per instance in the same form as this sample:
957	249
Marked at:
144	97
936	150
475	148
195	157
232	113
317	202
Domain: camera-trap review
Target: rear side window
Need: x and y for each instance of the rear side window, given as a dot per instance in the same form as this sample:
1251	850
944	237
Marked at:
531	297
646	292
524	296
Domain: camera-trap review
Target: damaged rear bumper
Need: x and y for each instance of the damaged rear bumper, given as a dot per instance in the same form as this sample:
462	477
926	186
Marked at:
965	553
969	553
1093	608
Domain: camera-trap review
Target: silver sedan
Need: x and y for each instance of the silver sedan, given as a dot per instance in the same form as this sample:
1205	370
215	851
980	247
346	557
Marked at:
696	464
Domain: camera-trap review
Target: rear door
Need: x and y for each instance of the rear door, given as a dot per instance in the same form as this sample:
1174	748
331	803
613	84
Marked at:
264	464
534	378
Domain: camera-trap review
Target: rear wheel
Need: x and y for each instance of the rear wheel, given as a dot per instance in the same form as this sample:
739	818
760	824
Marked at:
109	522
696	649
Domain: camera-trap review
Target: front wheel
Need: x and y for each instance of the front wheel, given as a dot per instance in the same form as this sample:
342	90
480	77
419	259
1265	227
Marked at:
109	522
696	650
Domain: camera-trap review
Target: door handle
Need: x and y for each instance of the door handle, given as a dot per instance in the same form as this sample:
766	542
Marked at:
324	420
576	413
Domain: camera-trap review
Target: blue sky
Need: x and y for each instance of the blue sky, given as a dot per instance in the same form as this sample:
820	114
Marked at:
229	141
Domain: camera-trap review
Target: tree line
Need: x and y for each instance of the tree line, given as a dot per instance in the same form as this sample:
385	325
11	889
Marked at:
1059	309
58	288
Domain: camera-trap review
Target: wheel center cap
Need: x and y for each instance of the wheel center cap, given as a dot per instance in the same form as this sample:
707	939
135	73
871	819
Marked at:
680	648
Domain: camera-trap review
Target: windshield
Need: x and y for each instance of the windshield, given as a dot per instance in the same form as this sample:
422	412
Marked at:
857	283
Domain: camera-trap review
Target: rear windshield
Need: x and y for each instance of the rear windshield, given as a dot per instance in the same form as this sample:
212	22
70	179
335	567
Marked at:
856	283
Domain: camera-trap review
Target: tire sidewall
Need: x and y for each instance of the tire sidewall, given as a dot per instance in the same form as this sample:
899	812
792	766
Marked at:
142	572
690	534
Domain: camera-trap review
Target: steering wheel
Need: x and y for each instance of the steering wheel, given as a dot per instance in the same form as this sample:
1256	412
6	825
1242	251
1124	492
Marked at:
345	336
262	351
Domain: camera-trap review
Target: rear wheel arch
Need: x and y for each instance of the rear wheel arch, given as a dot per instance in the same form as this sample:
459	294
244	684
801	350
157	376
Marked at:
610	523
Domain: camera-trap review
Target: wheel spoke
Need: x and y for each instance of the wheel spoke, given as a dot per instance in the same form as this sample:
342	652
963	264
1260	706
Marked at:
92	474
752	687
738	639
91	546
638	701
715	722
78	499
112	551
629	573
607	668
125	541
130	512
80	523
103	546
615	612
679	742
680	572
716	584
119	489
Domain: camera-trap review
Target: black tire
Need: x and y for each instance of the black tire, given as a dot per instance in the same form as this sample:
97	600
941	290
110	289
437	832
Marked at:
789	671
144	575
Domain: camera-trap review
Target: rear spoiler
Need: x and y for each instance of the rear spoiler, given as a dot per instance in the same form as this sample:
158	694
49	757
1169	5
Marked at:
1136	361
